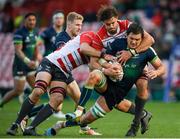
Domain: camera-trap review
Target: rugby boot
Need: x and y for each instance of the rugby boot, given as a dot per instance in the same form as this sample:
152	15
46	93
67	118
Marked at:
132	132
145	122
13	130
30	131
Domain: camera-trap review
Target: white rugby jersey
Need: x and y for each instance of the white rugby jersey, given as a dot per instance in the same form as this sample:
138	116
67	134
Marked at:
68	57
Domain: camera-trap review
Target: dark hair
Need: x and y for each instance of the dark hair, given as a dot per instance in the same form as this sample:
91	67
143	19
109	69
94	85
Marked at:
106	12
29	14
135	29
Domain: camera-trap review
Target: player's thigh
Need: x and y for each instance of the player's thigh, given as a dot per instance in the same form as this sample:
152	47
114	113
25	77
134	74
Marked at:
19	83
73	91
44	76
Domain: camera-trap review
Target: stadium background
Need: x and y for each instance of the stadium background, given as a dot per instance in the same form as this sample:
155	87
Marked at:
159	17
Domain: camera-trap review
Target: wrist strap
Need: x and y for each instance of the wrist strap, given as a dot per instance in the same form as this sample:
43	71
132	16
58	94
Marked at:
26	60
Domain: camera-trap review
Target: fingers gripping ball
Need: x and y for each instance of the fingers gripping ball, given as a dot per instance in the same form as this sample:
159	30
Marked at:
117	66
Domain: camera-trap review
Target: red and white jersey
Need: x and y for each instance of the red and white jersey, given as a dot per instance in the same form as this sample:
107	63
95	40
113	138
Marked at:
107	38
68	57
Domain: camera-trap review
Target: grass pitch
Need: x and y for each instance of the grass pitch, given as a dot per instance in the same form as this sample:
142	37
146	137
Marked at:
164	124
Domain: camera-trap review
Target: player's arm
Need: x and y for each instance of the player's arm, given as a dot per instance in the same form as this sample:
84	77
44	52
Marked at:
23	57
159	68
147	41
86	49
18	44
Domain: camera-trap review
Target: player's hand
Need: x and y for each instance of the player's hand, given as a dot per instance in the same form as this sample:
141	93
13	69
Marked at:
152	74
32	64
123	56
109	57
114	70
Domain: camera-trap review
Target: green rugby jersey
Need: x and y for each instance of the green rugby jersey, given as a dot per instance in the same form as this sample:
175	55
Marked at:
27	39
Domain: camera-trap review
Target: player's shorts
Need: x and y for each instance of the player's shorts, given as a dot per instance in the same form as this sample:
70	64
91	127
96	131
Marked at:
56	73
20	69
114	94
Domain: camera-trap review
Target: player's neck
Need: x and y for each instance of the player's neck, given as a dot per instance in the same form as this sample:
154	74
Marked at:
69	33
58	28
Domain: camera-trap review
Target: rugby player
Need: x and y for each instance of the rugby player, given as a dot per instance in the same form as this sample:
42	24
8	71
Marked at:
54	72
73	28
113	92
48	36
112	29
25	61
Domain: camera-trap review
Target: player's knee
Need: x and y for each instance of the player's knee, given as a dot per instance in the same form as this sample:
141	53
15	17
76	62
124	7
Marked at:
57	95
97	111
56	100
142	84
36	94
94	77
124	105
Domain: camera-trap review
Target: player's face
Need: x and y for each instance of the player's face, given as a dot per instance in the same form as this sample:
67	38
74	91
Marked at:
59	21
111	25
30	22
76	27
134	40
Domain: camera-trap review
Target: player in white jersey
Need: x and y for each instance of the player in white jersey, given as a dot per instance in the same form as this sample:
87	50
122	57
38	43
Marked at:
54	71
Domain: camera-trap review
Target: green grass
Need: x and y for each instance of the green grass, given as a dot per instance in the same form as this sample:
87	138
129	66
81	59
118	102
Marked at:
164	124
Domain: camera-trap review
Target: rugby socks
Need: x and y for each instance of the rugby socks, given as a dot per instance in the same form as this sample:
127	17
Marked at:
43	114
132	110
25	109
139	109
85	95
35	110
83	125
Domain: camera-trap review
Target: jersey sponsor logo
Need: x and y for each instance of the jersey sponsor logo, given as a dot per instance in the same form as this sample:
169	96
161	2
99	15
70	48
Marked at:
130	66
27	40
53	39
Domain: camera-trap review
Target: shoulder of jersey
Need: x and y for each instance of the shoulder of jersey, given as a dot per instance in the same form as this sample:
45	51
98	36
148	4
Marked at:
102	33
123	24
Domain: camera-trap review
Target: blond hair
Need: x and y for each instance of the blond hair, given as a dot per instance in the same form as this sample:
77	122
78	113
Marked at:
74	16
